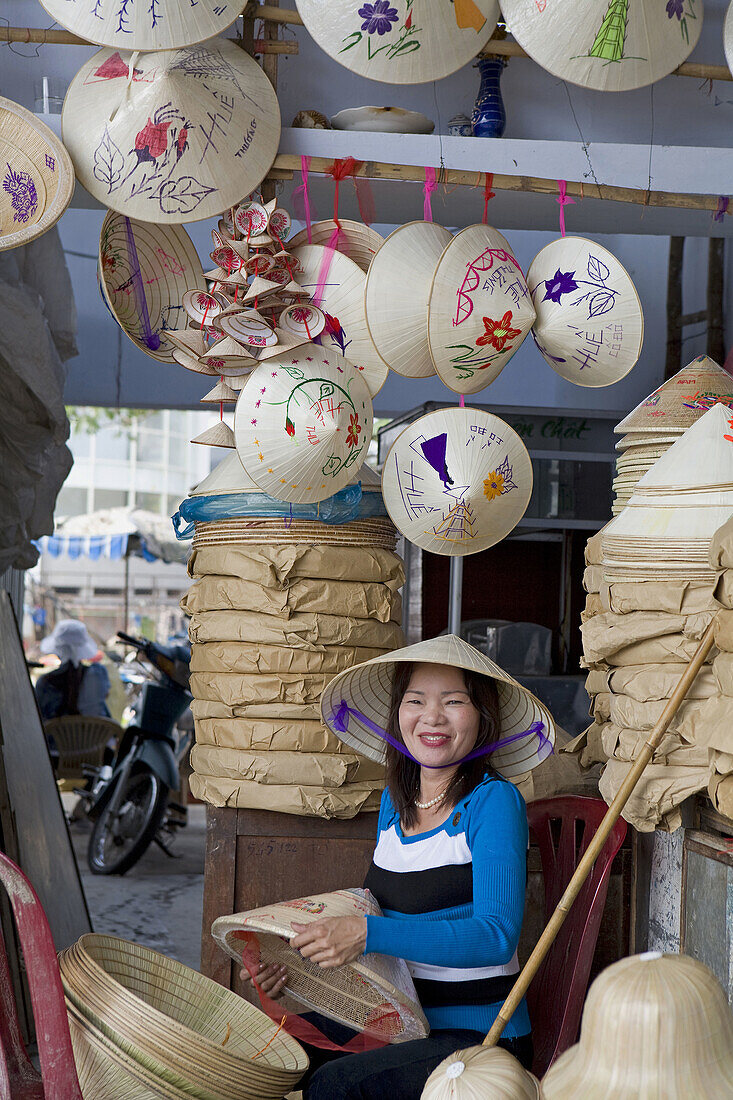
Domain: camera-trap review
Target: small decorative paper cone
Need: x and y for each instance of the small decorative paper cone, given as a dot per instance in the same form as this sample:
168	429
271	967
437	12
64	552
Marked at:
247	327
589	325
653	1026
144	271
192	341
191	363
367	689
230	353
303	424
342	300
610	46
193	131
37	176
166	25
457	481
374	994
397	293
286	342
221	392
393	41
480	309
218	435
680	401
481	1073
260	288
358	242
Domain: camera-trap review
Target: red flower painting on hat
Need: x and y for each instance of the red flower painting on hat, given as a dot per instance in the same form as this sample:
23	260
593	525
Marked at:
497	334
353	432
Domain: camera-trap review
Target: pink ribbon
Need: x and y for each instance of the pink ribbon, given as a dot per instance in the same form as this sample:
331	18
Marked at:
328	254
564	201
431	184
301	200
488	194
461	402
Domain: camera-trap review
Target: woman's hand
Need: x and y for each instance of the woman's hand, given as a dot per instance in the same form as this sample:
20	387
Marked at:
331	941
271	979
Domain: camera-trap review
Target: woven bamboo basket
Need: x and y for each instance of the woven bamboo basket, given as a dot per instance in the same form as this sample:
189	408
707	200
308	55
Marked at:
179	1025
378	533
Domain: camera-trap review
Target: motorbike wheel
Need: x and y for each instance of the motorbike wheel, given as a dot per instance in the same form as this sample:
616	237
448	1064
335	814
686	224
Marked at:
118	840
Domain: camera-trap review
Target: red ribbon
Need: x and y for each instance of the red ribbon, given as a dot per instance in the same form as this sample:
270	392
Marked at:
488	194
341	170
431	184
564	201
295	1025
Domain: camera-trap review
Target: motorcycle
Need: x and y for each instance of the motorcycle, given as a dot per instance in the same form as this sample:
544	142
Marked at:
129	800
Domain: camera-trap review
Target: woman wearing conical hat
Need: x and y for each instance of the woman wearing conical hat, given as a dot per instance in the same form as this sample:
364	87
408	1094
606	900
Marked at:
449	868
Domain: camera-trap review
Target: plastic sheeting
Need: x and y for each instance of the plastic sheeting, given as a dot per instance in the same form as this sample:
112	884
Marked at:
115	533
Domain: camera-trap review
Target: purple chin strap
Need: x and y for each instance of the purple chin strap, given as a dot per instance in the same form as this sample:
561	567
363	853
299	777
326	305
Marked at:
340	723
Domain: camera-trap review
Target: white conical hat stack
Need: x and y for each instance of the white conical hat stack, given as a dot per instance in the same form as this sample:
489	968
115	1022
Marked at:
398	42
397	294
612	45
702	458
660	419
480	309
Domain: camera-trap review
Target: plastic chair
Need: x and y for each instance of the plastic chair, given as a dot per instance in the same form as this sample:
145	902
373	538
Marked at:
80	740
19	1080
563	827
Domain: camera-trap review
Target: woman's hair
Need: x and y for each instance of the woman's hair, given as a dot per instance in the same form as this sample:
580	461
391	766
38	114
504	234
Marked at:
403	774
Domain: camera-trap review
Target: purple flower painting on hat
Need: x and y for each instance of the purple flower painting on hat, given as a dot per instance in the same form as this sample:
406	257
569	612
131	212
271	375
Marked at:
378	17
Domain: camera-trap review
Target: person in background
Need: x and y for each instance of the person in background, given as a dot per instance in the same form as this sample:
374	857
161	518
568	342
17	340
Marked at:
73	687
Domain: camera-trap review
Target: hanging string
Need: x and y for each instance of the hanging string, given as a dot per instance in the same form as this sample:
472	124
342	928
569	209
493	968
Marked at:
564	200
151	339
488	195
301	199
461	402
722	210
430	185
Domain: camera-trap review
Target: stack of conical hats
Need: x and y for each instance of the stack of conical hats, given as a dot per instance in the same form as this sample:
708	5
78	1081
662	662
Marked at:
664	533
661	418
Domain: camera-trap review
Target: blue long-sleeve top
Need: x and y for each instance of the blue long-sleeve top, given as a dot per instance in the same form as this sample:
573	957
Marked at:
453	903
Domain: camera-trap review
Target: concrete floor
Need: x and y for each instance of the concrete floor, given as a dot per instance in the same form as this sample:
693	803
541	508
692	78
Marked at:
159	902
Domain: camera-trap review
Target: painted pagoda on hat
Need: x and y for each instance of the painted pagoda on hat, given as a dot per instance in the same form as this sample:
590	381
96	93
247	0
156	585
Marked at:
679	401
613	45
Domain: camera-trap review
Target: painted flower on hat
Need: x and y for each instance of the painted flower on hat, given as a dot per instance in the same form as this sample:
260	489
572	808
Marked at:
353	431
493	485
562	282
675	7
289	427
152	140
378	17
498	333
23	194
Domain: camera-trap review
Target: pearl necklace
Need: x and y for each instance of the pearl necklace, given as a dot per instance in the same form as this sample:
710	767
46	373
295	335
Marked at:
432	802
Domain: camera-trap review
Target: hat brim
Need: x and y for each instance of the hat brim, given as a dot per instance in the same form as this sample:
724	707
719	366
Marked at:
367	689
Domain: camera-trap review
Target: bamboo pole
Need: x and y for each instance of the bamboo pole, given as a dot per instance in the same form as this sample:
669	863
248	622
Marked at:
43	37
531	184
593	850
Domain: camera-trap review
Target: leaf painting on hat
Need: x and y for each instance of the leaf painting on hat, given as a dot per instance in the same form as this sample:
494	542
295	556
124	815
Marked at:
20	187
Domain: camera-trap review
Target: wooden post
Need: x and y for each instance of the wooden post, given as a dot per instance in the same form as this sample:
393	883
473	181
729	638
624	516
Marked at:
674	306
716	288
593	850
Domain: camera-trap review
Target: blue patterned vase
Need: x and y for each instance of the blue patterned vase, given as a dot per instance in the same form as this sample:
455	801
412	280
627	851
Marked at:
489	116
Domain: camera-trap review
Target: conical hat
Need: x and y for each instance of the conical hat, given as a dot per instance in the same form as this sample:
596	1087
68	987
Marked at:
37	176
702	457
229	476
610	46
640	519
303	424
653	1025
397	293
356	994
190	362
590	324
144	270
391	40
681	400
488	1073
342	300
220	393
188	135
218	435
367	691
480	309
358	242
166	25
457	481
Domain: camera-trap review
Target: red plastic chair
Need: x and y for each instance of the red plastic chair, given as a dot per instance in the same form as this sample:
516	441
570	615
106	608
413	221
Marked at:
563	828
19	1080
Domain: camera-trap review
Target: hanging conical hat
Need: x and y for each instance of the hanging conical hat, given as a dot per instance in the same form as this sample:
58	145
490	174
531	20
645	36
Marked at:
190	362
488	1073
363	994
286	342
188	135
229	476
342	300
701	457
394	41
613	45
653	1025
367	688
218	435
681	400
457	481
144	271
37	176
219	394
358	242
192	341
397	293
303	424
590	324
230	351
165	25
480	309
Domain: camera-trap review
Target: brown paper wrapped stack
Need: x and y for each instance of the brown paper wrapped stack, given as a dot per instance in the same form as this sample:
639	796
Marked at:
653	426
656	594
278	607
